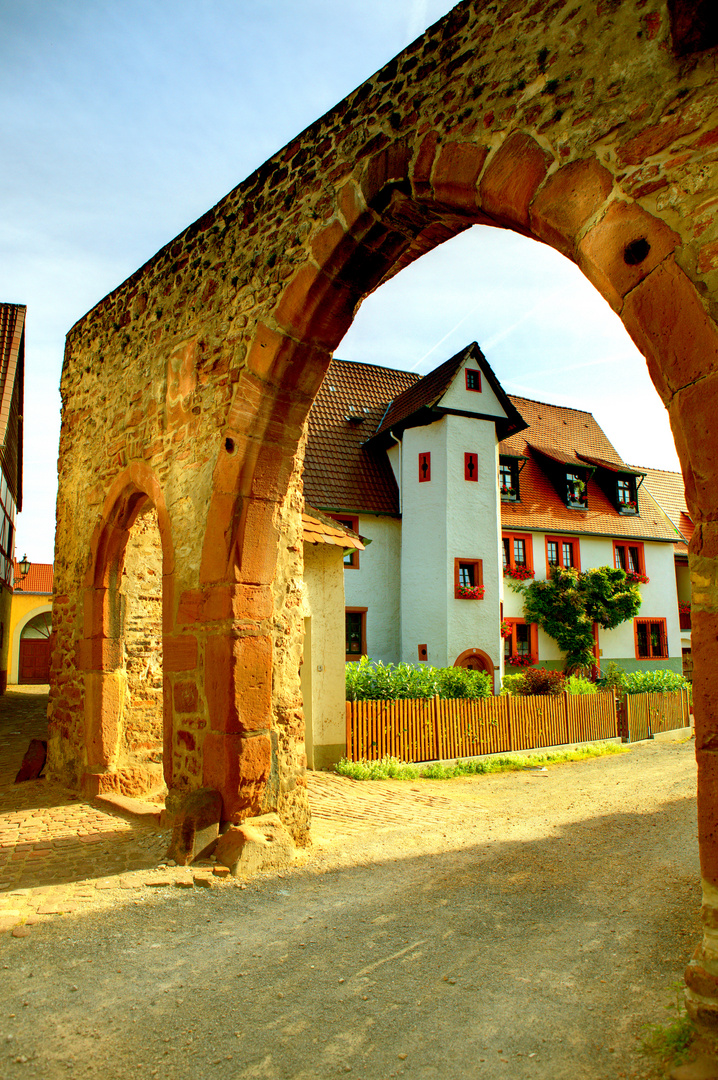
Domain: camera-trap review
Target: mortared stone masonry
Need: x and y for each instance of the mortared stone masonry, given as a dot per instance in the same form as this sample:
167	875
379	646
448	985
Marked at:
591	125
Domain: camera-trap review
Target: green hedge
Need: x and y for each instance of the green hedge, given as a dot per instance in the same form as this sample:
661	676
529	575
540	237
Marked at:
370	681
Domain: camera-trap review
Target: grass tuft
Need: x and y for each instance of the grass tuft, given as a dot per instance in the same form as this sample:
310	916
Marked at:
390	768
671	1042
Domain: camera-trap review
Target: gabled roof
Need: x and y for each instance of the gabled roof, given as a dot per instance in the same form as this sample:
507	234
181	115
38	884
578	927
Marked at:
12	365
572	437
319	529
414	406
340	473
39	578
668	489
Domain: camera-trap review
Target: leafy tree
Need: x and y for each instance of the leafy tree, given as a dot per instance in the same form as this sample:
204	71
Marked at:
569	602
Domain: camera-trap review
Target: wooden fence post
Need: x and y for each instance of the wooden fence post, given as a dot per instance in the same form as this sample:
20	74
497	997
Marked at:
565	715
509	717
438	741
350	748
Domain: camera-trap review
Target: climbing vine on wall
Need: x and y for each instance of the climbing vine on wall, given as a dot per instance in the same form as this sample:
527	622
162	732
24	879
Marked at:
569	602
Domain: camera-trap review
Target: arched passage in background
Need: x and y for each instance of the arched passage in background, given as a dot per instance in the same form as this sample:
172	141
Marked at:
30	656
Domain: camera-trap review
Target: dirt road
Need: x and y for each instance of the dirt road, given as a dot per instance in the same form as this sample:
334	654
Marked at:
520	925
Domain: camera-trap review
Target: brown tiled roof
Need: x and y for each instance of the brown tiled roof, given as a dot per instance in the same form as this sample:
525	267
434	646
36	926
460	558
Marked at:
668	489
340	473
12	362
319	529
572	436
39	578
426	392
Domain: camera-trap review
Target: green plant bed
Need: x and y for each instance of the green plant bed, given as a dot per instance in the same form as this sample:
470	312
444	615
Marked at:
370	681
390	768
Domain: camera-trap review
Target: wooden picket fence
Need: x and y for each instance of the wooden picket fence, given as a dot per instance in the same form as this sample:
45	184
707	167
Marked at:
642	715
434	729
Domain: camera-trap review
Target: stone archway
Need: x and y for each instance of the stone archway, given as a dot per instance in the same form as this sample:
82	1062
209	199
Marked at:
590	127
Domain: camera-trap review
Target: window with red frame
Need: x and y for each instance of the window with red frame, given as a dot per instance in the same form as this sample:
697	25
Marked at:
517	551
424	468
629	557
563	551
355	619
651	638
351	557
473	379
522	645
468	578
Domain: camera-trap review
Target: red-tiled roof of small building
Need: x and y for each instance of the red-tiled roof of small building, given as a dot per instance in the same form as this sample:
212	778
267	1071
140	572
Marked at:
572	437
319	529
428	391
668	489
340	473
39	578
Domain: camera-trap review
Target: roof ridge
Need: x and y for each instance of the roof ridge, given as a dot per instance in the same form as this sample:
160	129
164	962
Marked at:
376	367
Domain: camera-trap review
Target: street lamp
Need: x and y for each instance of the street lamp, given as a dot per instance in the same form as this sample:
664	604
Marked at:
24	568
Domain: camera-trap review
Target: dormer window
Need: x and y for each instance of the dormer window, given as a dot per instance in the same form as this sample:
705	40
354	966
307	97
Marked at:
509	479
626	498
576	491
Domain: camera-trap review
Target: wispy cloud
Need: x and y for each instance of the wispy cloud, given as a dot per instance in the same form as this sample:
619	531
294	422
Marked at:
418	18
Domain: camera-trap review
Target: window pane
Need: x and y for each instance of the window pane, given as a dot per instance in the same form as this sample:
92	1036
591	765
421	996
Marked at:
520	552
552	553
567	554
354	634
624	491
620	553
506	545
634	562
466	574
656	640
642	639
522	639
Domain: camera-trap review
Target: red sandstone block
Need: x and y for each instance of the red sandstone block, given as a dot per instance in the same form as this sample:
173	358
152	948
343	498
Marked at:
351	203
608	252
567	201
99	654
222	521
693	411
332	246
666	319
205	605
657	137
104	695
389	166
259	541
239	769
95	613
185	697
252	657
423	164
707	761
179	653
511	180
708	257
286	364
253	602
186	738
314	308
272	472
456	174
219	684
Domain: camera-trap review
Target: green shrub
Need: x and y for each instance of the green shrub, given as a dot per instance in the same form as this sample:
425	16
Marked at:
370	681
576	684
653	682
512	684
612	677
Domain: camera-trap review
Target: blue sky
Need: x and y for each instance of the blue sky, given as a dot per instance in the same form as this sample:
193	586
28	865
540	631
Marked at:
123	122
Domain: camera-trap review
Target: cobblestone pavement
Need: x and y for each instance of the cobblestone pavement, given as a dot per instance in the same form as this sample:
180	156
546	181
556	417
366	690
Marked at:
60	853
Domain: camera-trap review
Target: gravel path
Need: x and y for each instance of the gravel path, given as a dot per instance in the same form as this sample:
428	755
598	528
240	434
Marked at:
520	925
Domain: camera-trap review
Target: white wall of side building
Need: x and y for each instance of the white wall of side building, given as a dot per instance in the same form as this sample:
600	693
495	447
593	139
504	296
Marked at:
376	585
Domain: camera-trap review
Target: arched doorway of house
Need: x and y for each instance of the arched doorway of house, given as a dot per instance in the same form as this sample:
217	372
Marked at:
476	660
34	649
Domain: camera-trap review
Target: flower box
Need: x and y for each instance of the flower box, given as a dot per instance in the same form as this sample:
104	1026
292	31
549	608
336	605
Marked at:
521	661
628	508
508	494
518	573
469	592
505	629
635	578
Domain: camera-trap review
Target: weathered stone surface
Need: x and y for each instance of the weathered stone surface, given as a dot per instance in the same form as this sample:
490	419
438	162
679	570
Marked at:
34	761
195	824
260	843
